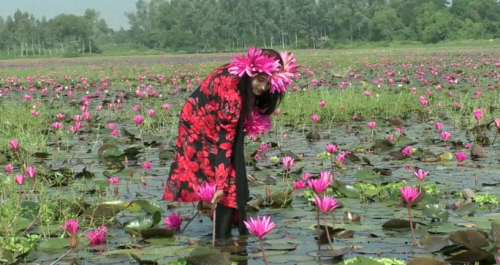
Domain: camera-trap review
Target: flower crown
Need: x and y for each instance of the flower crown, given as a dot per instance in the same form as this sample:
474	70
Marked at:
256	62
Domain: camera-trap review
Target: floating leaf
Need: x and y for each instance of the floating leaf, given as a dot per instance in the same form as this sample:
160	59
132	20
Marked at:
425	261
469	239
149	207
397	224
435	211
157	233
366	174
360	260
472	256
467	208
54	245
139	224
103	211
289	258
348	190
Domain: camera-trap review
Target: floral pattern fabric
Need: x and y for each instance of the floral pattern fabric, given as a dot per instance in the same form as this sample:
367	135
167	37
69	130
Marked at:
206	133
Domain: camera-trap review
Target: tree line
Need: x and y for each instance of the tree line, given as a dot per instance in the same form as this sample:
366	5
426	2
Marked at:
225	25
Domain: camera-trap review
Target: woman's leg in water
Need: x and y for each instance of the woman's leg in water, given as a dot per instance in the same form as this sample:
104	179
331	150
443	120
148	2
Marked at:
223	221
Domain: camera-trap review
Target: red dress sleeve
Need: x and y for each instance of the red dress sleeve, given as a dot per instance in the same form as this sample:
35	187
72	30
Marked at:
229	103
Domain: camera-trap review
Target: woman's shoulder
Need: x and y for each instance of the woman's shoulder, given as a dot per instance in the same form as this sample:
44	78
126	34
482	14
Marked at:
220	79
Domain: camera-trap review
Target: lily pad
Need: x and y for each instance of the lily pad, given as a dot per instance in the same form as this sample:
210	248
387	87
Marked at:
54	245
149	207
435	211
139	224
289	258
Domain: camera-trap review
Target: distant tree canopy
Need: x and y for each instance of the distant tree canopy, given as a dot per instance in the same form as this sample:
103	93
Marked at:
223	25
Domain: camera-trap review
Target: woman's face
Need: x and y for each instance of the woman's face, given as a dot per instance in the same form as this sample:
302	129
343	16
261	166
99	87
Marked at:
260	84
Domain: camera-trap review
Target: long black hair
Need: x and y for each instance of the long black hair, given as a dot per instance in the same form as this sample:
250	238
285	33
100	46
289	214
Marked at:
267	102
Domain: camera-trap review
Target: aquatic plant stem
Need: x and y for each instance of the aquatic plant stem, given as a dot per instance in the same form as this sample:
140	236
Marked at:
61	257
414	241
494	139
317	229
263	251
190	220
327	232
213	230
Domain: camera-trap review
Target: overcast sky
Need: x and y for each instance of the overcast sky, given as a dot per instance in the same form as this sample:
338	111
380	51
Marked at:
113	11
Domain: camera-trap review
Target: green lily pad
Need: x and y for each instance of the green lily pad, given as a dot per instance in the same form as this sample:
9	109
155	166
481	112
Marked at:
139	224
360	260
289	258
435	211
149	207
348	190
54	245
468	208
366	174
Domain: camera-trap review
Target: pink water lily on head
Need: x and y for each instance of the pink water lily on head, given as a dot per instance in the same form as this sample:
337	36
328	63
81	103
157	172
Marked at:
206	192
173	221
260	226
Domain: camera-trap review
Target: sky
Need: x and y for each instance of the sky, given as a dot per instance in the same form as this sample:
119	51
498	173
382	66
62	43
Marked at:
113	11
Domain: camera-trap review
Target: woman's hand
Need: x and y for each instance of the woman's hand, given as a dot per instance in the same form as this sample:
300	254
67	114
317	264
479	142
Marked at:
203	206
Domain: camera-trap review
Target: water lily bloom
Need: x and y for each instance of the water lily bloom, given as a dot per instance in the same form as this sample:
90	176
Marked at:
287	162
136	108
497	123
409	194
173	221
478	114
306	176
78	118
206	192
277	111
445	136
111	126
331	148
423	101
165	106
98	236
326	176
8	168
19	179
322	103
138	119
407	151
299	184
31	171
325	203
114	133
390	138
150	112
86	115
438	126
56	125
260	227
460	156
113	180
314	118
400	131
34	112
71	226
60	116
14	144
371	125
421	174
318	185
146	165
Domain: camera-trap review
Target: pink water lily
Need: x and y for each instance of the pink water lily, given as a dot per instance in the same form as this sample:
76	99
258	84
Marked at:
371	125
114	180
325	203
445	136
287	162
14	144
299	184
260	226
206	192
71	226
478	114
138	119
407	151
8	168
173	221
438	126
318	185
420	174
98	236
460	156
31	171
331	148
19	179
409	195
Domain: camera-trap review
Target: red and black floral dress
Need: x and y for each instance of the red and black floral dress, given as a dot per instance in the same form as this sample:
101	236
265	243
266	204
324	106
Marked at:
207	130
